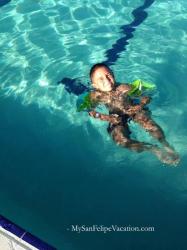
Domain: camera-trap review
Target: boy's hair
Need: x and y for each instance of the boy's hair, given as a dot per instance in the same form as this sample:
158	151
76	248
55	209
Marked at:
98	65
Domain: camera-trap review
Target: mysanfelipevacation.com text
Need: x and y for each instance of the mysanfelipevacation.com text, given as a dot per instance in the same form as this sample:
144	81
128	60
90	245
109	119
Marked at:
109	229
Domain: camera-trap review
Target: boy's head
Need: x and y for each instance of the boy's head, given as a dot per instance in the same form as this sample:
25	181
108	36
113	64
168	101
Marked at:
102	77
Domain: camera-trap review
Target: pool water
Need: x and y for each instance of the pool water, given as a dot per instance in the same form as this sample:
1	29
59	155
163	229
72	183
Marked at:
59	167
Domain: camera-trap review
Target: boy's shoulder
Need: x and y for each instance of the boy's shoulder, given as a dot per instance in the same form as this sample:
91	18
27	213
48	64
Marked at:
94	94
123	87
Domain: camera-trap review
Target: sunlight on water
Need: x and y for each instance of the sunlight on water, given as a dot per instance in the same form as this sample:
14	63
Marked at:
44	41
61	166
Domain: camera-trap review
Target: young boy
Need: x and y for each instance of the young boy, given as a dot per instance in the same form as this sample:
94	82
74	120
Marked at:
121	110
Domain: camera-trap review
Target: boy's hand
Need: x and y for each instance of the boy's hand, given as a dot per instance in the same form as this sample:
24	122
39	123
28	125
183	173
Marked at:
115	119
93	114
145	100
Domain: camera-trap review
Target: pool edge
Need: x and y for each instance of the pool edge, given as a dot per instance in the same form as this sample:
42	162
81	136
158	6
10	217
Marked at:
10	229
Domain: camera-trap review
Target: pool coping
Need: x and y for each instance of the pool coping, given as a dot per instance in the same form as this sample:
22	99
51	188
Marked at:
23	235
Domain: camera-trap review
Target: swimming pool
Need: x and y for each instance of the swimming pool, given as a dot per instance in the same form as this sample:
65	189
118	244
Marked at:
59	167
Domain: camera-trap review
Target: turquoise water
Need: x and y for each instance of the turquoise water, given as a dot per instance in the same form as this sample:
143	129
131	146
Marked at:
59	167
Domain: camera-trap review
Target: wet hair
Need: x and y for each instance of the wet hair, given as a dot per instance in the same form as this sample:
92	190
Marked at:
97	66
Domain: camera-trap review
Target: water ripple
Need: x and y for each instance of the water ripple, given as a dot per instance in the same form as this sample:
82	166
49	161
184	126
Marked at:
44	41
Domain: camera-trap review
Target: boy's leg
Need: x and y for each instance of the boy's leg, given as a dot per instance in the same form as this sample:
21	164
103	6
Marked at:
121	135
154	129
150	126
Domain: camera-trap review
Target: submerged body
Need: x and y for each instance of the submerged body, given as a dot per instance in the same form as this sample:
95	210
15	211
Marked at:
121	110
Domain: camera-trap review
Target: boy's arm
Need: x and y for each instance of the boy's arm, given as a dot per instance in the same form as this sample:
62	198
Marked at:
124	88
95	96
114	119
131	110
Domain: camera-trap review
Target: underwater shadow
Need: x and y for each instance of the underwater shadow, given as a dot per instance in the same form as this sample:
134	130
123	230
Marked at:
3	2
120	45
75	86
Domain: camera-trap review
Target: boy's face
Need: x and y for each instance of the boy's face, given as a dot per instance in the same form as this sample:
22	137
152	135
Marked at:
103	79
